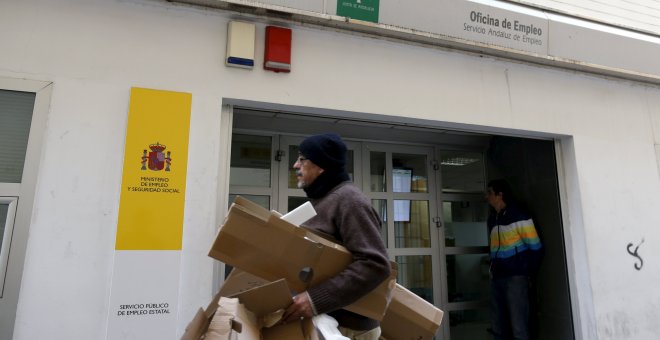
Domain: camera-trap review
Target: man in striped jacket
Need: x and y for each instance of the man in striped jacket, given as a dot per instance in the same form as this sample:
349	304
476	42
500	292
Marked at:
515	254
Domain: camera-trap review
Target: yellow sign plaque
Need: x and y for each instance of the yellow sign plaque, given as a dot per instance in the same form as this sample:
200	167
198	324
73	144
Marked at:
154	175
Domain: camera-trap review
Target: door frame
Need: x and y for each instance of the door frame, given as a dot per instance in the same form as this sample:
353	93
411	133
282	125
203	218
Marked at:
25	193
568	179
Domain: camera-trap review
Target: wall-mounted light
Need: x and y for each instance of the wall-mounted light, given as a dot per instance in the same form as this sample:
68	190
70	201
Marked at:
240	44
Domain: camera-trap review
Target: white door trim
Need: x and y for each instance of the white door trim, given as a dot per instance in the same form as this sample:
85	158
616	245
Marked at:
10	301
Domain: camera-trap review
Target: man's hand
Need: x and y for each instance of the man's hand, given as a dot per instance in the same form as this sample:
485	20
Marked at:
300	308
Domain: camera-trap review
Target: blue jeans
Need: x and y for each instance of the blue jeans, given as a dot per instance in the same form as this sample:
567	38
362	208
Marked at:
510	307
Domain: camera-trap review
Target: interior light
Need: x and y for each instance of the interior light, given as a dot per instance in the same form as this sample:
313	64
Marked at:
458	161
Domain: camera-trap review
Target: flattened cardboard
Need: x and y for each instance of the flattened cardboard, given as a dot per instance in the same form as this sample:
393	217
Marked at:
410	317
374	305
241	317
267	298
233	321
240	281
257	294
259	242
262	244
197	327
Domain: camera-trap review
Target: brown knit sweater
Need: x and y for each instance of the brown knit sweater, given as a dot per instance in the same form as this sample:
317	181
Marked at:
346	215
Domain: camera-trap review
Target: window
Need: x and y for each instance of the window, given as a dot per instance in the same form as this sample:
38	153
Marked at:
7	213
15	118
251	173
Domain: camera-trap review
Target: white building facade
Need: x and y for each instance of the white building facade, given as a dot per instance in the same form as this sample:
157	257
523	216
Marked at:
566	109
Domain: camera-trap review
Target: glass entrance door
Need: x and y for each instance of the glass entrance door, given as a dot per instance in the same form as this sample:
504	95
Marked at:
403	185
464	246
431	205
400	182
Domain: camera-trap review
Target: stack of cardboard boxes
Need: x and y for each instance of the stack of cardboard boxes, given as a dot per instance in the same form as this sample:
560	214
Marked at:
250	313
272	257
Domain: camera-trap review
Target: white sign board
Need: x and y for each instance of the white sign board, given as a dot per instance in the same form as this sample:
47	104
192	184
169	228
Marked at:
524	31
500	27
144	298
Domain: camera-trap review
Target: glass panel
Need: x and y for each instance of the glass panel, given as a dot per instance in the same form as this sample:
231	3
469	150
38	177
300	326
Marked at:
295	202
250	160
15	120
470	324
381	208
465	224
467	277
263	201
4	208
409	173
411	224
349	164
377	171
293	156
415	273
462	171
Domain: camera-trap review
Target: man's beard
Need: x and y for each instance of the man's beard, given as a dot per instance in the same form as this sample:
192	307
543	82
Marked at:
301	183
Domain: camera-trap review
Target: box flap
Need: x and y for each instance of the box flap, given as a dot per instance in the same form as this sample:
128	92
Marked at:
314	236
255	208
197	327
378	300
239	281
232	321
274	249
267	298
409	316
287	331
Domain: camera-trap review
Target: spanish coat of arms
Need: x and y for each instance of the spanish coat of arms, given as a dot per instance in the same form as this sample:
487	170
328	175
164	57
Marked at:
156	160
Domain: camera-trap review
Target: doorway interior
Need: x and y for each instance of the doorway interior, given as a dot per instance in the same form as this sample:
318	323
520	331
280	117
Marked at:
427	185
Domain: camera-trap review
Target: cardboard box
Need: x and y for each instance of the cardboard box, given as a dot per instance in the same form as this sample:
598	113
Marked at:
259	242
245	317
410	317
237	282
248	315
197	327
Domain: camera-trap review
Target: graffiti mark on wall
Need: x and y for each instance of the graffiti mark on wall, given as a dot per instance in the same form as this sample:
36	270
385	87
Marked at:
639	265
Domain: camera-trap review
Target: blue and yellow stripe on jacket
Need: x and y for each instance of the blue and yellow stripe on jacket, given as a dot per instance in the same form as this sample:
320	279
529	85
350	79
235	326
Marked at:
513	238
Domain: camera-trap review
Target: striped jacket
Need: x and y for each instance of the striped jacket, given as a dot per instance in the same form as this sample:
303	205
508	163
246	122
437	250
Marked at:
515	247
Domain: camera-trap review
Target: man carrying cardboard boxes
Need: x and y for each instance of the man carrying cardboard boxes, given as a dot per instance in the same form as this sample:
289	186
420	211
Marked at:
263	247
344	214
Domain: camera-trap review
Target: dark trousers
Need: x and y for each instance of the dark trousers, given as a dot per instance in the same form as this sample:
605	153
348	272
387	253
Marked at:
510	307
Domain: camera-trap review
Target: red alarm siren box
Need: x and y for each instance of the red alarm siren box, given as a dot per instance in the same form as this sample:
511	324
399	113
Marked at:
277	54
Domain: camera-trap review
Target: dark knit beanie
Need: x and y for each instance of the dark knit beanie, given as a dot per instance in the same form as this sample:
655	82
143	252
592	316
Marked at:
327	151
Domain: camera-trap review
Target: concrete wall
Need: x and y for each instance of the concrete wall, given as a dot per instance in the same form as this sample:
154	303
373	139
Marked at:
507	29
94	51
